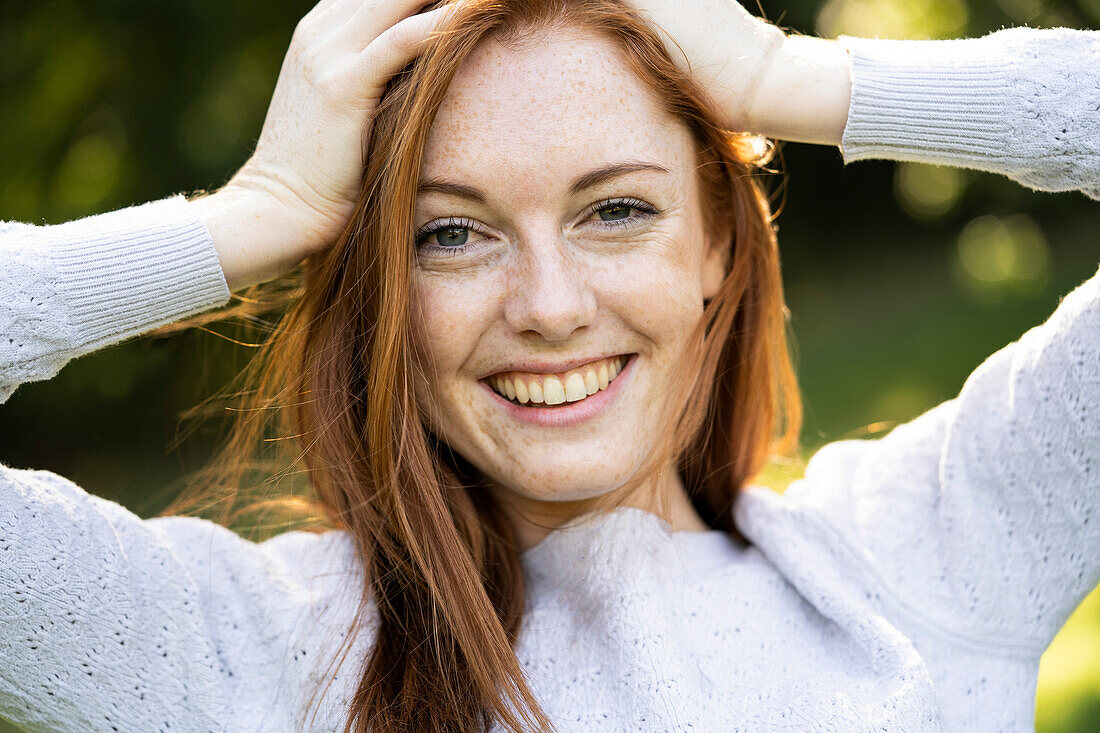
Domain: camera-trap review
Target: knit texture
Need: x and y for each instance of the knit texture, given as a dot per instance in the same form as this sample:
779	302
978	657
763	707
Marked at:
1021	101
72	288
906	583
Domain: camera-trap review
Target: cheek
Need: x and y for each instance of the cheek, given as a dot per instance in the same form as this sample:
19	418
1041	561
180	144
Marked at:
447	321
658	288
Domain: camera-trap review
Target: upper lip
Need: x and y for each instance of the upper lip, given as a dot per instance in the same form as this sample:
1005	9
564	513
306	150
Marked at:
550	367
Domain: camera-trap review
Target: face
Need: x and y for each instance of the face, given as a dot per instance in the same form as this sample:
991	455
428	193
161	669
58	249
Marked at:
560	234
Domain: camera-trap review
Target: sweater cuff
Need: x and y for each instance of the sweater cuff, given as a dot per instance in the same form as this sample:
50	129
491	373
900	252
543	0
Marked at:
939	102
126	272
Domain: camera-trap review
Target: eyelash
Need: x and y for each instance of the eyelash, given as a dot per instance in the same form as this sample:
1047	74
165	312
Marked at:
426	231
431	228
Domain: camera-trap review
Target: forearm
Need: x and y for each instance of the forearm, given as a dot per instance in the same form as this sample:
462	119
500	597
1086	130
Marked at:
1021	102
72	288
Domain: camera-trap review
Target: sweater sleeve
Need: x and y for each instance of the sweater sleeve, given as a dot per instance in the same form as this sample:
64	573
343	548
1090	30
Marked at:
1022	102
101	625
981	518
979	521
113	623
72	288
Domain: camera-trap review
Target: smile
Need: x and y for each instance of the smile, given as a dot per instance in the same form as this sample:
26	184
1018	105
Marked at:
555	389
561	400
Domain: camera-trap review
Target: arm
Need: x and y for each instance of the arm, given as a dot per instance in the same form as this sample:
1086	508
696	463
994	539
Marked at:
1020	102
979	518
111	622
76	287
982	516
73	288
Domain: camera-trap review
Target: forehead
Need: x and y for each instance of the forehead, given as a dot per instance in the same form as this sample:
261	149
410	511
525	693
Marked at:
559	103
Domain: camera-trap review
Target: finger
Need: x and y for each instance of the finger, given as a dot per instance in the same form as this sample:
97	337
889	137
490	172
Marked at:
320	11
400	43
372	19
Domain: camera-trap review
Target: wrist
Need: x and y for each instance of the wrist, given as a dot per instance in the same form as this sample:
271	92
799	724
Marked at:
804	92
251	233
947	102
761	49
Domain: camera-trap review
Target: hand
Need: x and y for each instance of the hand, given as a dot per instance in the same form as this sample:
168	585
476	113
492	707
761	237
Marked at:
296	193
762	80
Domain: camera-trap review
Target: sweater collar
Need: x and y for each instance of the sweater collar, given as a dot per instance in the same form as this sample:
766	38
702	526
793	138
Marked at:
626	547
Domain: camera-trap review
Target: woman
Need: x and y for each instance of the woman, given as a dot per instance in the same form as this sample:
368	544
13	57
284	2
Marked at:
550	214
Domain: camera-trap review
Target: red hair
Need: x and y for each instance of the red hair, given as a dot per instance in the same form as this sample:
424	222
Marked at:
442	567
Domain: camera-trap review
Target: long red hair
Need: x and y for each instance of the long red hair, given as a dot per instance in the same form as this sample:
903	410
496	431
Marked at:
331	396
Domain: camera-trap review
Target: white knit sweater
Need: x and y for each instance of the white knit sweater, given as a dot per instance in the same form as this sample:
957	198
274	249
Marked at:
907	583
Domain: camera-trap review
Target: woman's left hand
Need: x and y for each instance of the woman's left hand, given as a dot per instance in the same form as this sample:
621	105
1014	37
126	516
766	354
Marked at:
762	80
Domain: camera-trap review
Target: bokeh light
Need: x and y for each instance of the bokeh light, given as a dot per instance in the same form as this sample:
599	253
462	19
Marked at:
893	18
91	170
928	191
998	257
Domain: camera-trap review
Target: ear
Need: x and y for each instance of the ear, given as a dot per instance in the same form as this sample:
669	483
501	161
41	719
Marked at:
714	265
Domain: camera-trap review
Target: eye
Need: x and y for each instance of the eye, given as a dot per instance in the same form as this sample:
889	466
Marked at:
450	236
622	212
615	212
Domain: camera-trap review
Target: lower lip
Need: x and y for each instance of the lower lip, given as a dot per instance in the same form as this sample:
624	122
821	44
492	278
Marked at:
566	414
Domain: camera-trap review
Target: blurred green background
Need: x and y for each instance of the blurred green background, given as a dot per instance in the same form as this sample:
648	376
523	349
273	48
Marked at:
901	279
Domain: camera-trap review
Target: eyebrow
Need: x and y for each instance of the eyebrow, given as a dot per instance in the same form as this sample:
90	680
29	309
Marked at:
580	183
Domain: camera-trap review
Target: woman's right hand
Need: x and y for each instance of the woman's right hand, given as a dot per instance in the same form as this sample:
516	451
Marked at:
296	193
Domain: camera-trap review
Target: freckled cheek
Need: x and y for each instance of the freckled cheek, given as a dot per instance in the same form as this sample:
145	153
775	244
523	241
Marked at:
659	297
447	322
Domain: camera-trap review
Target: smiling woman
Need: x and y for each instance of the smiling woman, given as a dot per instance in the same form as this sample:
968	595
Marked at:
532	360
555	206
564	222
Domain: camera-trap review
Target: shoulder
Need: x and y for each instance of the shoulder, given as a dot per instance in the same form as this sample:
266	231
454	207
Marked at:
308	565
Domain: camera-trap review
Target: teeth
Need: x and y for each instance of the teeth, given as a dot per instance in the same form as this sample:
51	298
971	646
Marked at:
555	389
574	388
591	384
535	388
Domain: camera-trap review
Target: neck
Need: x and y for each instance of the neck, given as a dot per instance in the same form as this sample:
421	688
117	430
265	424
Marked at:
534	519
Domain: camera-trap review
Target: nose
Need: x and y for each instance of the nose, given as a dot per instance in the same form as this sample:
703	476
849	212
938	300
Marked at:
549	291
